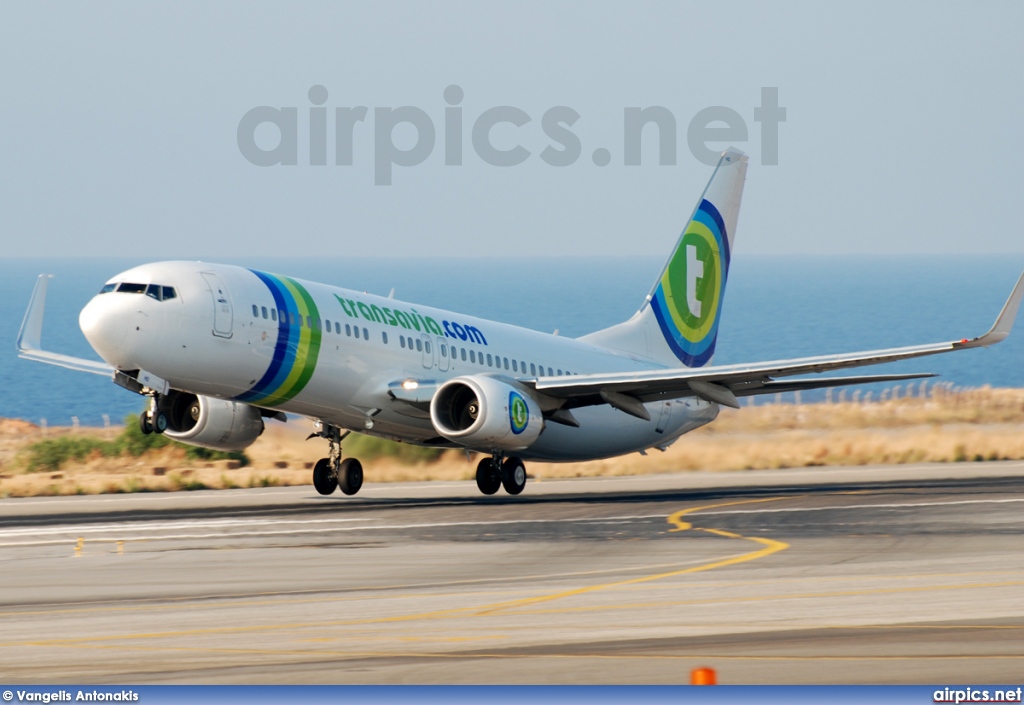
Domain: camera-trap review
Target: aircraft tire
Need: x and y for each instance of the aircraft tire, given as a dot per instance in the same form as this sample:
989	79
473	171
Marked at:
159	422
144	425
323	479
513	475
350	476
488	479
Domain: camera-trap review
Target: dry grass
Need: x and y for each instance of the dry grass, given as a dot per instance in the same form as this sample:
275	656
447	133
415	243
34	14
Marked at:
982	424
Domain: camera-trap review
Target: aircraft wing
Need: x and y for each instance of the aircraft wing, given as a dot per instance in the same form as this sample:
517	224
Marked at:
724	383
31	333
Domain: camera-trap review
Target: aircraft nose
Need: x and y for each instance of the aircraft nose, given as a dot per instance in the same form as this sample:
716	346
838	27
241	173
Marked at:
104	326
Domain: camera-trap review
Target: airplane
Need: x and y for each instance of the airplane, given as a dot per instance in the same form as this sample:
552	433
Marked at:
217	349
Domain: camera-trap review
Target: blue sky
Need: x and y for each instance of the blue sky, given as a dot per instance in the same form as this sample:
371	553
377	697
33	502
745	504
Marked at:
120	126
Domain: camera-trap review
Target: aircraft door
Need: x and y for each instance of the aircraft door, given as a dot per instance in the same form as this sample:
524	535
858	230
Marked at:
444	351
428	351
222	312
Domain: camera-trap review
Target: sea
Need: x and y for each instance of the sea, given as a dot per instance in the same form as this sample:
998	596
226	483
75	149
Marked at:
775	307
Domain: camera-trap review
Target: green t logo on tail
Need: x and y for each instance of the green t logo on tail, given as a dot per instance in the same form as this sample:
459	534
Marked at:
688	299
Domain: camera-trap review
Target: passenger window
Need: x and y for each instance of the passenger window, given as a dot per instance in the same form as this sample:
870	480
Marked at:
550	373
419	345
444	351
384	336
327	326
309	322
401	341
515	367
522	366
472	356
356	332
463	354
506	362
337	328
533	369
366	334
255	311
559	373
273	314
348	330
426	347
265	314
490	362
107	288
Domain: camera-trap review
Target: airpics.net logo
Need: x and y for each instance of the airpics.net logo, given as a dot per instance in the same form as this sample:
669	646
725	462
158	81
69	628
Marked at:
269	136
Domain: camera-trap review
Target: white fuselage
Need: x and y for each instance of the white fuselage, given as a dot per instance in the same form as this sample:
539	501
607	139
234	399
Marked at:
220	333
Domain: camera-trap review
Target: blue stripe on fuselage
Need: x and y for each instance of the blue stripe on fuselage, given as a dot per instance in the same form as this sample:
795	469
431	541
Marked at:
286	348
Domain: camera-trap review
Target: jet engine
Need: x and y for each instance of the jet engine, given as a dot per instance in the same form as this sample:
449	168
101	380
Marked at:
210	423
485	413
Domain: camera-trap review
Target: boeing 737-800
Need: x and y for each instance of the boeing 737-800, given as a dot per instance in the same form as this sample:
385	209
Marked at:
219	348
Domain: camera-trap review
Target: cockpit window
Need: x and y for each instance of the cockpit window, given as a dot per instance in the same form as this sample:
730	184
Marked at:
156	291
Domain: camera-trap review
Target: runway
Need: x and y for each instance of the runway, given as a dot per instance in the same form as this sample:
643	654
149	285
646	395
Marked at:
905	574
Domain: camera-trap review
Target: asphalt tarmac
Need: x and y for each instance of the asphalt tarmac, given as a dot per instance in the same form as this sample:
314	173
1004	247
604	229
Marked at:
904	574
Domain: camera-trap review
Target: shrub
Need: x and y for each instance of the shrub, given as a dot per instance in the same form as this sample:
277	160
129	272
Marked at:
197	453
370	447
48	455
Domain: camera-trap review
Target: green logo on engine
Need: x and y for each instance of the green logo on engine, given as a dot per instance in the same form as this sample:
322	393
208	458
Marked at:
518	412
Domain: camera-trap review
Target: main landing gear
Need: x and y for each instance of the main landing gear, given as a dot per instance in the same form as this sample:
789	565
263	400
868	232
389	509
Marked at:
492	473
333	472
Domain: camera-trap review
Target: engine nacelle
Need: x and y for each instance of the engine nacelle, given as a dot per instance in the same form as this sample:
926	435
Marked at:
484	413
210	423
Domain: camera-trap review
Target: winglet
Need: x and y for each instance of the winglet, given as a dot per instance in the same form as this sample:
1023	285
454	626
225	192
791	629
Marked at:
31	333
29	343
1004	321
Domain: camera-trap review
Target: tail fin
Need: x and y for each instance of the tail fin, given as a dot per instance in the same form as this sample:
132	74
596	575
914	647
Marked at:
678	322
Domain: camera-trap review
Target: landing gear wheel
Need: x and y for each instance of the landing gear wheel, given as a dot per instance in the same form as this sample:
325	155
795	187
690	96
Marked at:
488	478
350	475
144	423
513	475
324	479
159	422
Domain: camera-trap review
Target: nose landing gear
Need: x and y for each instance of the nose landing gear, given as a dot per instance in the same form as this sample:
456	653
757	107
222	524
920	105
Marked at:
332	472
153	419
